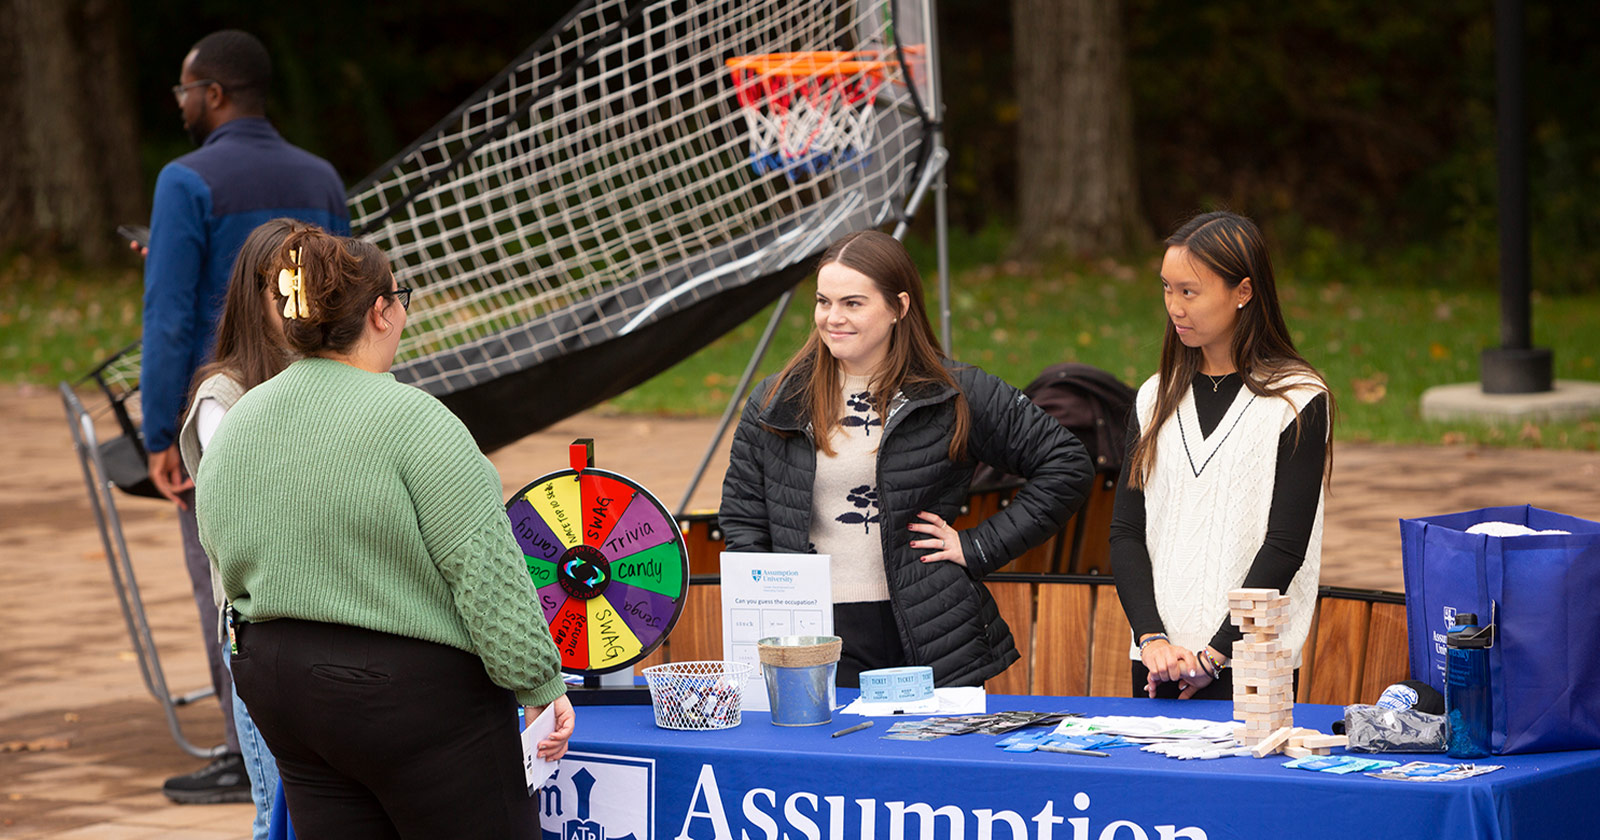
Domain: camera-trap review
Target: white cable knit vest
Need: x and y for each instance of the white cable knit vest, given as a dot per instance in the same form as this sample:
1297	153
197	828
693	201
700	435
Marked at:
1206	507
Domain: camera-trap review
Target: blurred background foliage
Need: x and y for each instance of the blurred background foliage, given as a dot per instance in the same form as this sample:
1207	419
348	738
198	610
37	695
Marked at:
1360	132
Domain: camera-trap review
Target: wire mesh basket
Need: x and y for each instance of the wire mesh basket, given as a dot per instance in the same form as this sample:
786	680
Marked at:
697	695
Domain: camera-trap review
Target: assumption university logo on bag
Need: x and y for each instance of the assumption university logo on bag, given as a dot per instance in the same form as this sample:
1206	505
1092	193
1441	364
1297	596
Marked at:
755	575
599	797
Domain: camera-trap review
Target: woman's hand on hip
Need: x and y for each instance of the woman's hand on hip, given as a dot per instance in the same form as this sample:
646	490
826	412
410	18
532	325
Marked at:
941	539
554	745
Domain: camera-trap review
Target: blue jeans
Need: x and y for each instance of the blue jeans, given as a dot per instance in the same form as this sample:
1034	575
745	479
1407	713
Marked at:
258	763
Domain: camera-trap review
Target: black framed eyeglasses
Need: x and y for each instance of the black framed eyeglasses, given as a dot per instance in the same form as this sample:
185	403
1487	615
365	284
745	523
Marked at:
402	295
178	91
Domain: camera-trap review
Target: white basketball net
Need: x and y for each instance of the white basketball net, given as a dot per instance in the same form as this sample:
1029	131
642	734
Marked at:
807	124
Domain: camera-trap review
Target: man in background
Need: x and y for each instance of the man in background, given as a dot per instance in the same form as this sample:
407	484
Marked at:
206	203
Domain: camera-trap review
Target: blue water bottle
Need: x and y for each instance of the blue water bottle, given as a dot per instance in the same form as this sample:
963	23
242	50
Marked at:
1467	696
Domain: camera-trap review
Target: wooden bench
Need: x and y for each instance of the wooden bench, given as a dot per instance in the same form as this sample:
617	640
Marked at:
1074	637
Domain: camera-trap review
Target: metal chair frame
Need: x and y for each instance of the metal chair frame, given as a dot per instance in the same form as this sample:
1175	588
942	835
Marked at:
102	500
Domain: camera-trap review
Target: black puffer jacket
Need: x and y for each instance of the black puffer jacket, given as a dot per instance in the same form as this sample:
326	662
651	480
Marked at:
947	618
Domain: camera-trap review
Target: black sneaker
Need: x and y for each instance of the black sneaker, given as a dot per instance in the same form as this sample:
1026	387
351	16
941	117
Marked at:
223	780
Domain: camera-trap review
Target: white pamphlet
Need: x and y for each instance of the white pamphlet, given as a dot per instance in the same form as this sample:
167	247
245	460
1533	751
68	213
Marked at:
771	595
535	768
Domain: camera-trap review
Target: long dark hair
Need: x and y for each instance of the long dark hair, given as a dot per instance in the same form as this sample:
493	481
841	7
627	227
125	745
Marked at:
914	354
250	348
343	277
1232	247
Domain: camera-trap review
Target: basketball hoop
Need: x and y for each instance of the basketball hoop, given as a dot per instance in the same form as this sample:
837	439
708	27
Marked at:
809	111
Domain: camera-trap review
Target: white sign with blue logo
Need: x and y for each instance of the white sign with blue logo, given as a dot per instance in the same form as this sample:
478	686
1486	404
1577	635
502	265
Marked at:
599	797
767	594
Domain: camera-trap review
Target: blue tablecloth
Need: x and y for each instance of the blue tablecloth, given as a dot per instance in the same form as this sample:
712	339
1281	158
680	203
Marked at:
626	779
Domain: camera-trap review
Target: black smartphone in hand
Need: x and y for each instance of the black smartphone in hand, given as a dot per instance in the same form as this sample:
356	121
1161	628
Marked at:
137	234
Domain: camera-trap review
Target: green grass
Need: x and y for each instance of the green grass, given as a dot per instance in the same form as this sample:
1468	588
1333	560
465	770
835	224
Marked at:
1380	342
57	323
1379	345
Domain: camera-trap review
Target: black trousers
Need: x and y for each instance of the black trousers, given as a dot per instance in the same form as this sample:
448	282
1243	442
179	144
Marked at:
871	640
381	736
1220	688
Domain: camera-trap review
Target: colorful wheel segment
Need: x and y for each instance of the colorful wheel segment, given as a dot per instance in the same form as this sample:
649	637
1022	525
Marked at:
609	564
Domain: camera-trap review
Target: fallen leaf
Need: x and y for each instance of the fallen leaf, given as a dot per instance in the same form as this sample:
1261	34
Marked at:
1438	352
1529	432
1453	439
1372	389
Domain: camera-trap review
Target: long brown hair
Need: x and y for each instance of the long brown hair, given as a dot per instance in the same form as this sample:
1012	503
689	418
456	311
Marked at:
914	356
1231	246
250	348
342	277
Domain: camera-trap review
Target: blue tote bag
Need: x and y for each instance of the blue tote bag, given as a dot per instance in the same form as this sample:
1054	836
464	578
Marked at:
1543	592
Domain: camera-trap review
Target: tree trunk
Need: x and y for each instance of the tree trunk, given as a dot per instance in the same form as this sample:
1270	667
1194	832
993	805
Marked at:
1077	189
69	168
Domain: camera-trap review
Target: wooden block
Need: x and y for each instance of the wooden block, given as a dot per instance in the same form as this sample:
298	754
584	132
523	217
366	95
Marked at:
1250	734
1253	594
1250	623
1260	610
1271	744
1281	658
1275	676
1248	649
1244	677
1320	741
1297	752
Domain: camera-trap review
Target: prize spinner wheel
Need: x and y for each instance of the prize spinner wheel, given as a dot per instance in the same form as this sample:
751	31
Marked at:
609	562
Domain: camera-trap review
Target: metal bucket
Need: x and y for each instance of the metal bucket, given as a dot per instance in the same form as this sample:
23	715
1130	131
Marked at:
799	672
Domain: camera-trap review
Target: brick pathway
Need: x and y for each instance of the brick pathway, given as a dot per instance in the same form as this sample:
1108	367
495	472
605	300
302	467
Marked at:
69	674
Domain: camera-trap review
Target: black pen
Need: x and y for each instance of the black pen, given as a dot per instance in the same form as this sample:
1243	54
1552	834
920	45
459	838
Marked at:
849	729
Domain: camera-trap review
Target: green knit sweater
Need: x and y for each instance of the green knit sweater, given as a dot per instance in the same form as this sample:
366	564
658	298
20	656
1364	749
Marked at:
333	494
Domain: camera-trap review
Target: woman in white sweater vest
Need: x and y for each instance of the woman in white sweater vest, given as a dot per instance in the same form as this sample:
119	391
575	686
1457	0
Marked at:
1227	460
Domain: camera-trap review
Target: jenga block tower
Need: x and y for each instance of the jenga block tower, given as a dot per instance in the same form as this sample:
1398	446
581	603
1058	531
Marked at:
1263	671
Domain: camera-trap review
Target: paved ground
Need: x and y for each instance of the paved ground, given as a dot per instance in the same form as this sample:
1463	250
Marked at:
83	747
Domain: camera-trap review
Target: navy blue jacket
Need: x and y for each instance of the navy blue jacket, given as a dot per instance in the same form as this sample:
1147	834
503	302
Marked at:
206	203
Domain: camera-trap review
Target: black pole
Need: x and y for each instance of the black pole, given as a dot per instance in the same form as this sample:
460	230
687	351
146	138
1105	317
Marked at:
1516	366
1516	317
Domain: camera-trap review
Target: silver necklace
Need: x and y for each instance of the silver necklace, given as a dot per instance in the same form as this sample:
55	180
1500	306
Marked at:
1216	381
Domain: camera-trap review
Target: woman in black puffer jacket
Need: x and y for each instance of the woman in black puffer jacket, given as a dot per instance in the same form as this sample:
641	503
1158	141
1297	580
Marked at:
862	448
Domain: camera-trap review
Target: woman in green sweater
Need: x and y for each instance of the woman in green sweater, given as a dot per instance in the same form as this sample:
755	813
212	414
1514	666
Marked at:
385	625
